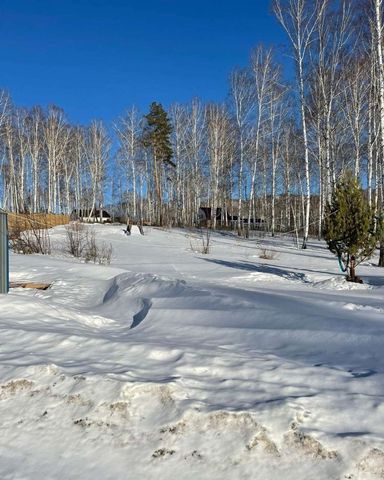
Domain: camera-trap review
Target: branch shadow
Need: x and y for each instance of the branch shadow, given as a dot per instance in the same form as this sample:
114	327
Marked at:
375	281
261	268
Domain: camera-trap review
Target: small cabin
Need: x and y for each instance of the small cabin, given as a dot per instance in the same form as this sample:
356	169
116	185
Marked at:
205	216
92	215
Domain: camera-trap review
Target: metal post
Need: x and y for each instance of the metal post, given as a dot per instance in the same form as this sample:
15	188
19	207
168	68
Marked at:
4	253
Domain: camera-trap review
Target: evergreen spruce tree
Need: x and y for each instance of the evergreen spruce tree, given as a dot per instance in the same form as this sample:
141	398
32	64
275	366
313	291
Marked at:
349	226
156	137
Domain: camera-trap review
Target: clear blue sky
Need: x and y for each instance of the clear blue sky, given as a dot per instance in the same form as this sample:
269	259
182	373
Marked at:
96	58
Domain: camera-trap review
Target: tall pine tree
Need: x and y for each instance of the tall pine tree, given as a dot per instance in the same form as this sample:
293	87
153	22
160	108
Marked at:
156	137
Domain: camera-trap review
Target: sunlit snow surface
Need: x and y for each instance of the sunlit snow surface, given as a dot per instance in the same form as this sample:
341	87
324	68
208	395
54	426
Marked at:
170	364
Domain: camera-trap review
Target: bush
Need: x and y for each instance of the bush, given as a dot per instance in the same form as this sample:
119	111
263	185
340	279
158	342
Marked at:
101	254
202	242
267	254
81	243
76	239
34	239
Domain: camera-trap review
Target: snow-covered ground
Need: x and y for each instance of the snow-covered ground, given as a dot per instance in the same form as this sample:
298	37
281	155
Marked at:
170	364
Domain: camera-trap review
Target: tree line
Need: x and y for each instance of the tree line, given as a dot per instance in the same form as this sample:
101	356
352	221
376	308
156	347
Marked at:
274	149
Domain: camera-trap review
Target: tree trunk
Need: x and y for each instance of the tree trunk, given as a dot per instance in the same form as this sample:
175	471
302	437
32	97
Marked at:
352	270
379	27
381	256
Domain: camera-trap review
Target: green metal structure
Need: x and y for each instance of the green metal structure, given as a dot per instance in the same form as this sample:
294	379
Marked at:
4	253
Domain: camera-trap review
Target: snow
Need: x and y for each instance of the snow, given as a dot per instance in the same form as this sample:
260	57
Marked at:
172	364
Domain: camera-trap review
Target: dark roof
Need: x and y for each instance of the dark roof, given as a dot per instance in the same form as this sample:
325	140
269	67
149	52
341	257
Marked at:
90	212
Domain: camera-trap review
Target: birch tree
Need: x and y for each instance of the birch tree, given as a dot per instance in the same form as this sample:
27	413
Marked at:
299	20
128	130
97	145
264	77
55	139
219	143
34	128
242	96
196	135
377	42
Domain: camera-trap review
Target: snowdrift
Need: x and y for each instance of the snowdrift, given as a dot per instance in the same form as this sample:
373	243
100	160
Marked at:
170	364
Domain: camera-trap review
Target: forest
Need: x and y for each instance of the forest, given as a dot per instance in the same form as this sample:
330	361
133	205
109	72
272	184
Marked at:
295	118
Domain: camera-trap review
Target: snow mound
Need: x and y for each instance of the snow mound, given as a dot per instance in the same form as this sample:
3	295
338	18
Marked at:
367	308
265	276
259	277
171	365
135	230
339	283
154	431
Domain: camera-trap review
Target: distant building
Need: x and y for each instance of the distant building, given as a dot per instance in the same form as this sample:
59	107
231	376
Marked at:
91	215
225	218
205	214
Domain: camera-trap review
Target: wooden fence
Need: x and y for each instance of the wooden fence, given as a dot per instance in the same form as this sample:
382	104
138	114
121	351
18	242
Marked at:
20	221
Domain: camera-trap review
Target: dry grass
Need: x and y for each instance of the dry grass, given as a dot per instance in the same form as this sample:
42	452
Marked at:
201	241
267	254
